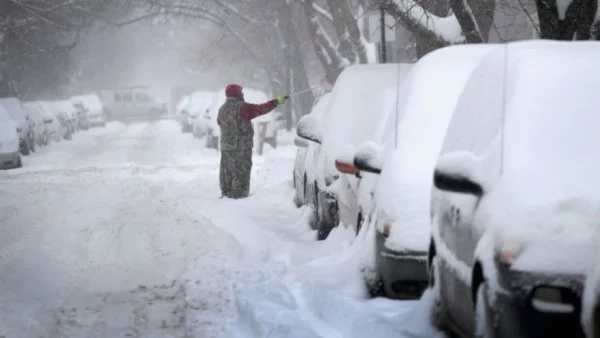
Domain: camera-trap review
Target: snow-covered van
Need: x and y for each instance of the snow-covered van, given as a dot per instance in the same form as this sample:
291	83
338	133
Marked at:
361	98
132	103
516	198
404	165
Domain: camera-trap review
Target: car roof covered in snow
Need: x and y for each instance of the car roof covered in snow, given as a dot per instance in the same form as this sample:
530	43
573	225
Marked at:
198	102
14	108
361	98
426	103
90	101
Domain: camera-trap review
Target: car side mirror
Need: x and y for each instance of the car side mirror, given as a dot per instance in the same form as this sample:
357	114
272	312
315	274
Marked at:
368	157
459	172
308	128
344	161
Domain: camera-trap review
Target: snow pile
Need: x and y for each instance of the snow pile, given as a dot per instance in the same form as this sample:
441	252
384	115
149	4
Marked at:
310	128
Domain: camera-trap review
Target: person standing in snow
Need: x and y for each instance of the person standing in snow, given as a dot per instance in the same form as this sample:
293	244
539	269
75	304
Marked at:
237	135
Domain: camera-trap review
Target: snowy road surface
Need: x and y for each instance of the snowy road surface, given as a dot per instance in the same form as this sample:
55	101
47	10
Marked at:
121	233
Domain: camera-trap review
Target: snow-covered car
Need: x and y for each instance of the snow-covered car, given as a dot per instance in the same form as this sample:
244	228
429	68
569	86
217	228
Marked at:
56	131
400	210
36	119
94	110
61	110
213	131
251	95
194	117
361	98
20	115
515	201
10	156
304	172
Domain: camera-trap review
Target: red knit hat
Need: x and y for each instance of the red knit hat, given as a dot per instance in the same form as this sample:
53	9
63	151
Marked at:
234	90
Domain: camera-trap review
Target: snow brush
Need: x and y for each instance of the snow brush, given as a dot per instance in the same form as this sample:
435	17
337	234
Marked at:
304	91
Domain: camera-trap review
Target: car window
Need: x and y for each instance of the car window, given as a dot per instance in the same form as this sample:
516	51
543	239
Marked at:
127	97
142	97
477	118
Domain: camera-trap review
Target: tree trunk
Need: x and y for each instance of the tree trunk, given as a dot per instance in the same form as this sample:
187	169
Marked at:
344	45
576	25
353	31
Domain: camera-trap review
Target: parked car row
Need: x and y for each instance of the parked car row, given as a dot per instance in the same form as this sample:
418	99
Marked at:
24	126
475	169
197	114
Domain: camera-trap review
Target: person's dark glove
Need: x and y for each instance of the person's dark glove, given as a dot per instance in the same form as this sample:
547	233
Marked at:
281	99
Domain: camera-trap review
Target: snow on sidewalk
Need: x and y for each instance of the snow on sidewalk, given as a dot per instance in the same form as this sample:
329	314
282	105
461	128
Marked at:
294	286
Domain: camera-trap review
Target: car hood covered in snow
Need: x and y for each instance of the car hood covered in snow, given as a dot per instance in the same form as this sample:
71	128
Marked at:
546	205
404	189
15	110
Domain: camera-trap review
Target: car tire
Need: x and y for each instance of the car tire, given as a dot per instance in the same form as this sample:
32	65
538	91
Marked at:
483	326
32	144
375	287
359	222
26	150
19	163
438	314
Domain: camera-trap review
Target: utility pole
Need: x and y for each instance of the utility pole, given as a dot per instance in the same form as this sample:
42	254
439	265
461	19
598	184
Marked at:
288	51
383	43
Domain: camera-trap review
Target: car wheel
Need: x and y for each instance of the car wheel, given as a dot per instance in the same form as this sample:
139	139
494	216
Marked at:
25	150
32	144
375	286
438	314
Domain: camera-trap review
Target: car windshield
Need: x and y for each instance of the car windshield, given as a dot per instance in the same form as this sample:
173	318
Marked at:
558	130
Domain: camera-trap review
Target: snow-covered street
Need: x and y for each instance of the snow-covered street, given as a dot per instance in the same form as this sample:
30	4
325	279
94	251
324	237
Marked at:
121	233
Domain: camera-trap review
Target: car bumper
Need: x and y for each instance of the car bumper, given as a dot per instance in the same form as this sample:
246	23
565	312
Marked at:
404	274
520	313
9	160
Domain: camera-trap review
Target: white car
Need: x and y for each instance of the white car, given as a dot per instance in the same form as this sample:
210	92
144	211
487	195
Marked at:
20	115
307	153
516	199
56	130
65	113
361	98
36	119
194	117
10	156
400	209
91	103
